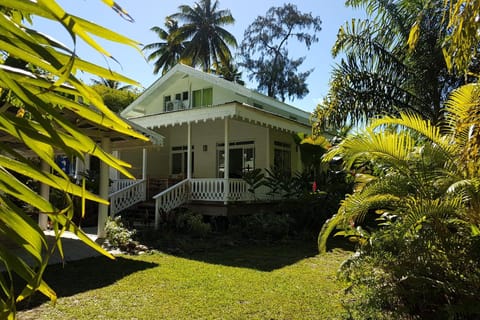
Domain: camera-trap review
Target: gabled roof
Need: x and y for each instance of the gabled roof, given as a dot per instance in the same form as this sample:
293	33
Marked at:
179	71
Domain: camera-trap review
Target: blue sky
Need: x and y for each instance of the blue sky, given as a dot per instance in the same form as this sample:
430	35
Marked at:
148	13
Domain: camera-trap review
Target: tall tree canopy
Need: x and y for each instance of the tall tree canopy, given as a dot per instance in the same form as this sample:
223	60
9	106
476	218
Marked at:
39	112
265	56
379	74
206	41
167	53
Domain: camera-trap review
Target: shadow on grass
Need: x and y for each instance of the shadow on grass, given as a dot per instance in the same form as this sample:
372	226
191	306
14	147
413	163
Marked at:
259	255
85	275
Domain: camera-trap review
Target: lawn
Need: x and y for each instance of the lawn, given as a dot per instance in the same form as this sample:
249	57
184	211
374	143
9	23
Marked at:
255	281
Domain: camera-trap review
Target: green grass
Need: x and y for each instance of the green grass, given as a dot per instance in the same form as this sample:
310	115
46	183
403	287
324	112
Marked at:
256	281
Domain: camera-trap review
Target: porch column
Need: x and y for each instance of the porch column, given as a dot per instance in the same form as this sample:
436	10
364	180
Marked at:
45	193
189	150
79	168
103	189
226	164
144	163
114	174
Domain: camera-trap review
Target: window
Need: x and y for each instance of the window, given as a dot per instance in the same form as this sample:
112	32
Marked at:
282	158
185	95
179	160
241	158
202	97
178	97
166	100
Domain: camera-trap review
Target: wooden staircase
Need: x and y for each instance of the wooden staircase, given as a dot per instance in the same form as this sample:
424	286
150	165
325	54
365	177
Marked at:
142	214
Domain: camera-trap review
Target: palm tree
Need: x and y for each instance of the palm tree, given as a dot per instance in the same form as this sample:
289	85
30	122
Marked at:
112	84
208	42
168	53
379	74
229	72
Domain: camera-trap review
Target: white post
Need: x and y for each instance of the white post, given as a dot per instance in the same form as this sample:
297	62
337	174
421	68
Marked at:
144	163
45	193
226	164
79	168
114	174
103	190
157	215
189	151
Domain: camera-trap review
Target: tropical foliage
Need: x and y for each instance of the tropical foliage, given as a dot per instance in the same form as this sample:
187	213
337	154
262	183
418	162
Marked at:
201	40
40	106
460	46
380	74
115	96
265	56
424	193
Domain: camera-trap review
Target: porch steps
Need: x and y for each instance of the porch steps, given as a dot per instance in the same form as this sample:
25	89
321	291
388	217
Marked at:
141	215
214	209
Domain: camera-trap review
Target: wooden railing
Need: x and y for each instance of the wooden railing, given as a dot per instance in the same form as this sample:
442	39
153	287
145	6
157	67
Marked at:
208	189
238	190
171	198
126	194
120	184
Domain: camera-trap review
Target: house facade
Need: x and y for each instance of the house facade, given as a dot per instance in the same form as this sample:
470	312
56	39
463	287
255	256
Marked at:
207	123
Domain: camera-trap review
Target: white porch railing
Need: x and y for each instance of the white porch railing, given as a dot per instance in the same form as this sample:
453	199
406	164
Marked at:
126	194
171	198
209	189
120	184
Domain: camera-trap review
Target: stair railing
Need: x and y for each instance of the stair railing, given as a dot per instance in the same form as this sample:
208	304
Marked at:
171	198
128	196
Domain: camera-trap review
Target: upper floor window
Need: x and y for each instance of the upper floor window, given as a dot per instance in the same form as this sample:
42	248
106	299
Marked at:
179	102
166	100
202	97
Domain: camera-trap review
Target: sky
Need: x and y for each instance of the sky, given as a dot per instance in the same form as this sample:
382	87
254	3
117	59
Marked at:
149	13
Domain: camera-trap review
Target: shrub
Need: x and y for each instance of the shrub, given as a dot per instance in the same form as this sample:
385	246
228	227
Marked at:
262	226
429	276
192	223
119	236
